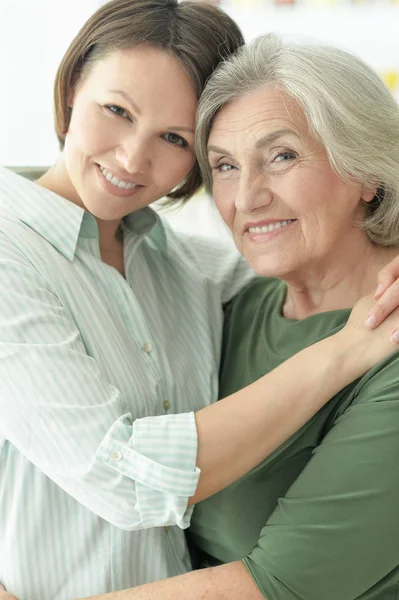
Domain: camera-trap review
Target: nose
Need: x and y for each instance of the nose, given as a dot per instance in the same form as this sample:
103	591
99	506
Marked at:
253	192
134	154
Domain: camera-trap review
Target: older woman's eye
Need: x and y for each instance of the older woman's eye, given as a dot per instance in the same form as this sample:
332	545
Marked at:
117	110
223	167
285	156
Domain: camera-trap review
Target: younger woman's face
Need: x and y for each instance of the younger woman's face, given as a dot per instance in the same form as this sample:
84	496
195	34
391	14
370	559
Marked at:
131	135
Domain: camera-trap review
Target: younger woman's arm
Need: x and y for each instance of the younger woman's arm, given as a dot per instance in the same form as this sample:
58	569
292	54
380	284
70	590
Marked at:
318	371
263	415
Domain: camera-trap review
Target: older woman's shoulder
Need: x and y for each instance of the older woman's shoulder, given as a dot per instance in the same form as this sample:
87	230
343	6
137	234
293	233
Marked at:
380	384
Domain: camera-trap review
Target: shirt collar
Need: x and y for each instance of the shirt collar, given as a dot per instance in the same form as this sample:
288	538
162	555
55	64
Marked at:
56	219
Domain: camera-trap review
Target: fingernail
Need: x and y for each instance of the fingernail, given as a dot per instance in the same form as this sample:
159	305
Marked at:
378	290
370	321
395	337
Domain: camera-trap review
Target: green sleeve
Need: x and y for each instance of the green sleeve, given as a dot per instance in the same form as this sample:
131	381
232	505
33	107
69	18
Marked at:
335	534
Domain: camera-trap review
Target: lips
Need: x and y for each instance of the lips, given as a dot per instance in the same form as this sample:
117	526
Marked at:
119	183
114	185
269	227
266	225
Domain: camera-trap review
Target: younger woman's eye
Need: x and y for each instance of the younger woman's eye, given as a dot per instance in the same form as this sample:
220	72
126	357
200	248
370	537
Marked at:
175	140
117	110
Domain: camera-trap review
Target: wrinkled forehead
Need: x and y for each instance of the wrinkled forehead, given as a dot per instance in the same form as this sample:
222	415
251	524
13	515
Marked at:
257	113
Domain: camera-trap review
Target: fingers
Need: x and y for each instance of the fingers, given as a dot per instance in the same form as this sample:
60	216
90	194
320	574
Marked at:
387	276
394	338
385	304
386	294
381	287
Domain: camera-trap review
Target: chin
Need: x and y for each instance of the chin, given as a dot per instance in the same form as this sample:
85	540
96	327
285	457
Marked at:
265	267
105	211
260	269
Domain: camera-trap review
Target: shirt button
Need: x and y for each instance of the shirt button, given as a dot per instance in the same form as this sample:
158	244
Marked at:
147	347
116	455
166	404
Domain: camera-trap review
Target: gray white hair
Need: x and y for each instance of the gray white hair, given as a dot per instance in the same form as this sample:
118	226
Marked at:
348	109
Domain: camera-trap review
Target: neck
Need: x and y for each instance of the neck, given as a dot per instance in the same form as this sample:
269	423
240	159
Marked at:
109	234
336	285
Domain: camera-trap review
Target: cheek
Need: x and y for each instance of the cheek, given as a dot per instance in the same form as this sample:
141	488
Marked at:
178	167
223	196
88	133
186	163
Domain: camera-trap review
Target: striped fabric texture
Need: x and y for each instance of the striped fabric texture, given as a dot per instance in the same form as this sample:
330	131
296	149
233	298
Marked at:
99	378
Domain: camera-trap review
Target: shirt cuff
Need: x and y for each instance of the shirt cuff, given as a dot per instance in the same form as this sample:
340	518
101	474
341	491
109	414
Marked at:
161	459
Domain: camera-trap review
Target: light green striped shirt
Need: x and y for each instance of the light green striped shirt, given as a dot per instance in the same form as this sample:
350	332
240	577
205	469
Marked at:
93	461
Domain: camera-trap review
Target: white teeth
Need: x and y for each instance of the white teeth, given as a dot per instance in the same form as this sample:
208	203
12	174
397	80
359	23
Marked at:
270	227
117	182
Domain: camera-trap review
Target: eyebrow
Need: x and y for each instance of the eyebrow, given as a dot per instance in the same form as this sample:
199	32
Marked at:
262	142
130	100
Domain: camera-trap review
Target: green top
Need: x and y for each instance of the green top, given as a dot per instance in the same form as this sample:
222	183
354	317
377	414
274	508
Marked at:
319	518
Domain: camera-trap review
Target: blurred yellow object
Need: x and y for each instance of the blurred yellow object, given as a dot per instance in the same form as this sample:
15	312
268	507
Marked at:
391	79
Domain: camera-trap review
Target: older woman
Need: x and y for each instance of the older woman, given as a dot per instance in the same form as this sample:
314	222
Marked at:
304	159
299	144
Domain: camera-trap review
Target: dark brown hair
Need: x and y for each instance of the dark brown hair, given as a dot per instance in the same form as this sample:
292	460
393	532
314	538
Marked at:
199	35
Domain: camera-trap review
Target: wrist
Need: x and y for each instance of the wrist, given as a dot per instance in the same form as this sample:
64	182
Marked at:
351	354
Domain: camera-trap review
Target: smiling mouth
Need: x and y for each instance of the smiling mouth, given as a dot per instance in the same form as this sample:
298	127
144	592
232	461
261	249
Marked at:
119	183
270	227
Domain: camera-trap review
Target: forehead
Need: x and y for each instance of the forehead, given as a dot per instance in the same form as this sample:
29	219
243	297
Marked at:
257	114
150	75
154	64
124	63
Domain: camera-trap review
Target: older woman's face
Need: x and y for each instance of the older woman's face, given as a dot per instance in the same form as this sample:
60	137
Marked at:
275	188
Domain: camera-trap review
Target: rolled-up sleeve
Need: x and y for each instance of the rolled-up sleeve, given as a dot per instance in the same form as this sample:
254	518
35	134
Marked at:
335	534
159	457
58	410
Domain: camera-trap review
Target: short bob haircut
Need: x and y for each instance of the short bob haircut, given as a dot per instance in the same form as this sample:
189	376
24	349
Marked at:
347	107
199	35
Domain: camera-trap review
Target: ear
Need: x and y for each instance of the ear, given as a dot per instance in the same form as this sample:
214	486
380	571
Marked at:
369	192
